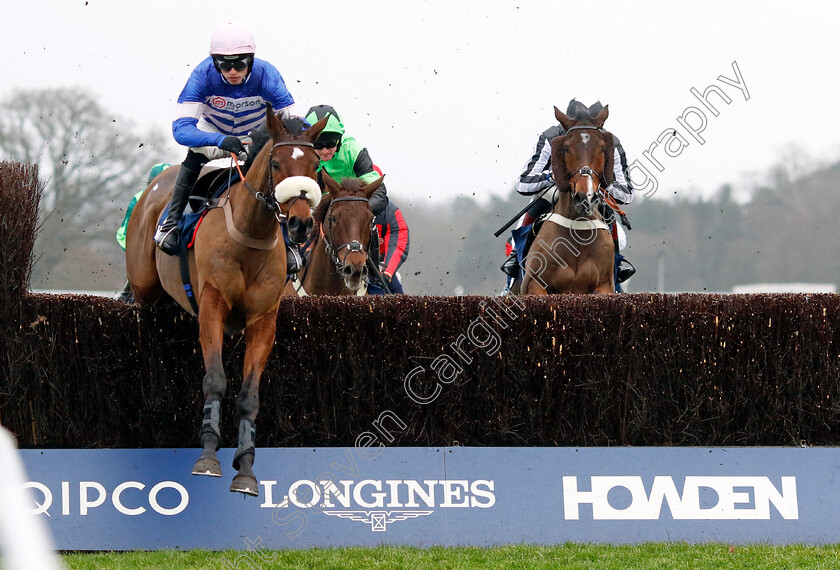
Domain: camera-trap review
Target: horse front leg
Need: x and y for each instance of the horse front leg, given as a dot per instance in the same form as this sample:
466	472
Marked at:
211	317
259	339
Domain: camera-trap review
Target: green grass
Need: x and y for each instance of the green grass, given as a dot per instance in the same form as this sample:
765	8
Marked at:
647	556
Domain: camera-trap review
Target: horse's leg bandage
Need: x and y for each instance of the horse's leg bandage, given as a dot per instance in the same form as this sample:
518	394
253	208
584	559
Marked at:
210	423
247	435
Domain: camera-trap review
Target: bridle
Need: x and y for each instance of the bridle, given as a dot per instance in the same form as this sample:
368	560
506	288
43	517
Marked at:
585	170
267	196
351	246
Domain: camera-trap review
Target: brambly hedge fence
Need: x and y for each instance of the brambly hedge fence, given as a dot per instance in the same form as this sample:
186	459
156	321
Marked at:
639	369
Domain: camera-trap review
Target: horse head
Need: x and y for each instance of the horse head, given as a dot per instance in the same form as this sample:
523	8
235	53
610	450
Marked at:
581	157
293	166
347	222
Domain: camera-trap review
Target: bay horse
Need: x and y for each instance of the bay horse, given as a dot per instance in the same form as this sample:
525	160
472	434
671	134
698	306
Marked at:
573	251
337	264
237	270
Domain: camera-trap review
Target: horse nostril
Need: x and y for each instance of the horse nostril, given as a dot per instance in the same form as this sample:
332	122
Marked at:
347	271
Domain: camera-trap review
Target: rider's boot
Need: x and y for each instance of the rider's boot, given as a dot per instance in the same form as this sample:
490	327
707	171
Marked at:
126	296
626	270
511	265
294	261
508	286
168	234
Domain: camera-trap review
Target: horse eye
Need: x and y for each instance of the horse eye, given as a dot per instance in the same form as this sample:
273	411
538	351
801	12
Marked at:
275	165
565	149
604	149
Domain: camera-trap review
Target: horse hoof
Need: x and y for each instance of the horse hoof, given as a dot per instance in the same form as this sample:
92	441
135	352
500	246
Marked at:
207	466
245	484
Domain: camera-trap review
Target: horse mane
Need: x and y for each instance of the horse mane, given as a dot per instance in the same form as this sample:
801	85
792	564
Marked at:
351	186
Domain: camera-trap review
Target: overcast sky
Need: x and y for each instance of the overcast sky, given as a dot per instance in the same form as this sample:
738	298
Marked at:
449	97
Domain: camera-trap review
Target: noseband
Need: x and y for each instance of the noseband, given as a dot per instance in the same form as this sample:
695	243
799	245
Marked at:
586	171
351	246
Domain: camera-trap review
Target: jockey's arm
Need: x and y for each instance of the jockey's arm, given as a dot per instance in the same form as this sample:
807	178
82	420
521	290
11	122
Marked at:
621	189
274	91
287	112
363	168
397	235
185	127
536	176
190	108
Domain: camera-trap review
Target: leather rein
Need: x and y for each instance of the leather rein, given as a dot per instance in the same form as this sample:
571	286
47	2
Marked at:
266	197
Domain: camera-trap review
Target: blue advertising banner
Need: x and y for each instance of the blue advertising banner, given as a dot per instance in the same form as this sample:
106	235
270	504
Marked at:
146	499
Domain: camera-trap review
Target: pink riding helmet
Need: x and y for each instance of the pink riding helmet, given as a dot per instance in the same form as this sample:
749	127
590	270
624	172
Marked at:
232	38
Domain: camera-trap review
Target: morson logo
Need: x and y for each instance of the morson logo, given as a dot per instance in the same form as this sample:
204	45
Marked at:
236	105
377	502
702	498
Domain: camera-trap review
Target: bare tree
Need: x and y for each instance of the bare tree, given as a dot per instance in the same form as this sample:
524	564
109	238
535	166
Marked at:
90	163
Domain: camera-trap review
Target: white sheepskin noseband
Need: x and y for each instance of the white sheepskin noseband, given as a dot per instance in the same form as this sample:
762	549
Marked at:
294	185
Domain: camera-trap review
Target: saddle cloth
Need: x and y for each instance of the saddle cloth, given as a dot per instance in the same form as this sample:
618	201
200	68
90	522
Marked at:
206	193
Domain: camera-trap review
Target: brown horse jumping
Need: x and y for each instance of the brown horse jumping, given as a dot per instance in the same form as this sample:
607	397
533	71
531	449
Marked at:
238	271
338	262
573	251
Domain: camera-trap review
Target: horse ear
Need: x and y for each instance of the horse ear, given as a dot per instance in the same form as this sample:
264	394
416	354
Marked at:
330	183
601	117
369	189
273	122
312	132
563	118
558	161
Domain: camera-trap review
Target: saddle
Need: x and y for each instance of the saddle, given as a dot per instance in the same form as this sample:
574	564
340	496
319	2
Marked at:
204	197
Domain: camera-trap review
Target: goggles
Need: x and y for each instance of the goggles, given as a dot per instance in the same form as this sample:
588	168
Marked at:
325	144
228	64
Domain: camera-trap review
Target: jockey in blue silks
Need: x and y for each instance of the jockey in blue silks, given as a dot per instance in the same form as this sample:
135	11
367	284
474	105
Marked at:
224	98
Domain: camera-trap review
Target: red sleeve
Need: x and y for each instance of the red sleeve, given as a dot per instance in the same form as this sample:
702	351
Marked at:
397	240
